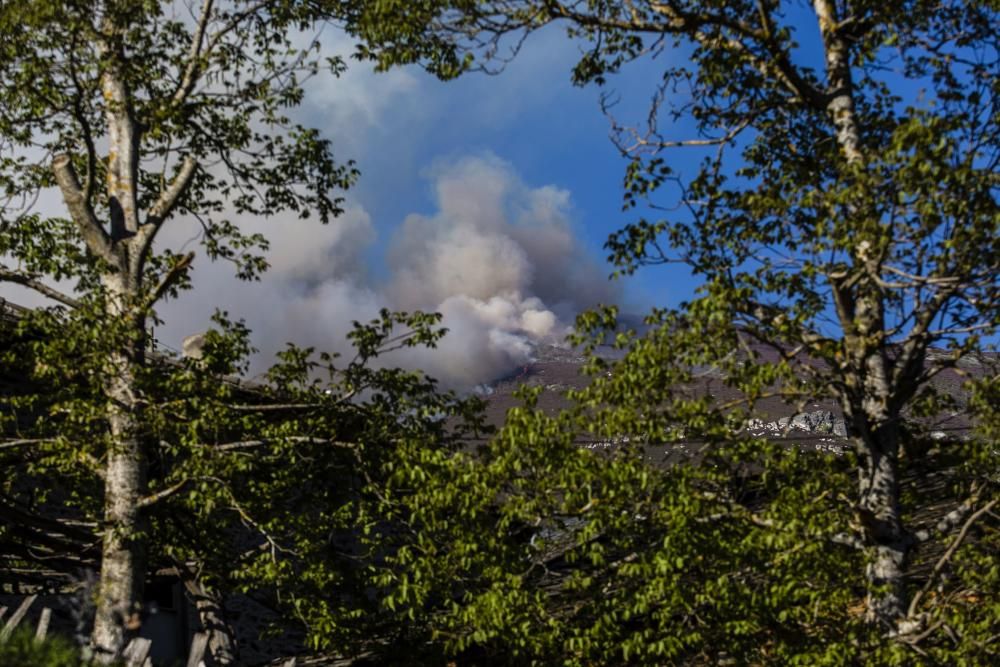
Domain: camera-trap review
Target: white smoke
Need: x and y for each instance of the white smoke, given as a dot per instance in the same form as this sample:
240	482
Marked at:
498	259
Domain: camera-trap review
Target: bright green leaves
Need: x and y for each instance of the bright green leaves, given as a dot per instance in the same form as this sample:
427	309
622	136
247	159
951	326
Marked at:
298	491
407	27
290	489
644	525
823	278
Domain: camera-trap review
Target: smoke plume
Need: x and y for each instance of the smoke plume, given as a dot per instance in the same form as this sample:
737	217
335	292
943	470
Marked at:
498	258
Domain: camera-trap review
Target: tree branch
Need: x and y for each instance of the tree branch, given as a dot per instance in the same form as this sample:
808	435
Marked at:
779	64
950	520
163	494
97	239
25	280
197	55
957	542
840	88
277	407
165	204
85	130
169	279
21	442
251	444
193	68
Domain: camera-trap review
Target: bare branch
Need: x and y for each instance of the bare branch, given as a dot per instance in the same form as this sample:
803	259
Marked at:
97	239
252	444
922	280
26	280
10	444
950	520
171	277
913	639
277	407
946	557
652	141
85	130
194	59
165	493
167	202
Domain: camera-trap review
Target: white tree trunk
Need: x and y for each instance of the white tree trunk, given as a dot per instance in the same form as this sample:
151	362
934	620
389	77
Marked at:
873	418
124	245
868	400
123	561
878	508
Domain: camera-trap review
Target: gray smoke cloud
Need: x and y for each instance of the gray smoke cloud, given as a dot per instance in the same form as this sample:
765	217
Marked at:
498	258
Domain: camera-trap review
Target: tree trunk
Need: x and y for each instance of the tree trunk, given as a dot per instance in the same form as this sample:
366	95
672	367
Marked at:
868	401
874	425
123	561
124	246
878	509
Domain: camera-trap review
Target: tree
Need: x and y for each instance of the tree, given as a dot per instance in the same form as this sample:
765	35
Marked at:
266	489
138	113
843	216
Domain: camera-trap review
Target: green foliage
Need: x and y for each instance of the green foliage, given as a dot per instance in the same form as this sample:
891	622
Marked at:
53	102
845	230
23	649
588	560
270	488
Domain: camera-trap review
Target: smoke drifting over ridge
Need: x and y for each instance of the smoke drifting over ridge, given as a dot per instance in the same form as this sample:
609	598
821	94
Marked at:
498	259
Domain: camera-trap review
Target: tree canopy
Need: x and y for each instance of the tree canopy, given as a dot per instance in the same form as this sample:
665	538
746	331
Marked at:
843	221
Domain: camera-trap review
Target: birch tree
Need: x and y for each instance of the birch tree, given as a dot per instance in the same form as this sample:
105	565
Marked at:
136	113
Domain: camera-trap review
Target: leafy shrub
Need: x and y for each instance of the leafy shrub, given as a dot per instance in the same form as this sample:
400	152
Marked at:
22	650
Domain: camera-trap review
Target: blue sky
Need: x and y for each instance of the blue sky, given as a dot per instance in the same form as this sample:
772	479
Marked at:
534	152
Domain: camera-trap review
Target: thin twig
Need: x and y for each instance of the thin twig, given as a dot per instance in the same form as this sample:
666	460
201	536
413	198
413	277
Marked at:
949	553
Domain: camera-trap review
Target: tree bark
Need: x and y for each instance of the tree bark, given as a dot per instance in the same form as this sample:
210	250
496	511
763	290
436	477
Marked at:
123	562
869	400
840	87
879	515
873	418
